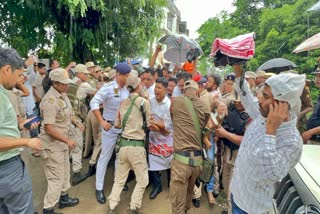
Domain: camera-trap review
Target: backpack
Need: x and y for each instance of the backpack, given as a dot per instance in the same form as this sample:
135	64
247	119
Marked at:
79	106
235	122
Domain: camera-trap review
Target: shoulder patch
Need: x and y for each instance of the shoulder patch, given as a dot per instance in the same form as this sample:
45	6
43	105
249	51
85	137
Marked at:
108	84
51	100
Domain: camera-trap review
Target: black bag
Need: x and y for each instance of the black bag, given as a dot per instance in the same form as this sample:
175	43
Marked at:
221	59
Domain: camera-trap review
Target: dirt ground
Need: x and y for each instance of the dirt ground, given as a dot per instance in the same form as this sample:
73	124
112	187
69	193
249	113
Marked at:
86	193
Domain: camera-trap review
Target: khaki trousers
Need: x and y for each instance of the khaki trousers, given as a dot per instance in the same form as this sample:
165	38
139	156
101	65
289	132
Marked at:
227	173
76	153
57	171
93	132
130	158
182	182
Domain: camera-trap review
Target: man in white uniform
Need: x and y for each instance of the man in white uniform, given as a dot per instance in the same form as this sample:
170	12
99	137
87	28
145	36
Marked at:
110	95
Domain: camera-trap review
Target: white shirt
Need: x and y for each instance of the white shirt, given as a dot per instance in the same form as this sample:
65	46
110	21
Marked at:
151	91
110	95
162	111
161	146
262	159
29	100
215	93
176	92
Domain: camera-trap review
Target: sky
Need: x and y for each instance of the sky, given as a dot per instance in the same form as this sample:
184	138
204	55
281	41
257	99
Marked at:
196	12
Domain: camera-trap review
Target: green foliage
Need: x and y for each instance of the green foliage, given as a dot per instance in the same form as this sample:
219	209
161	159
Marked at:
280	26
104	31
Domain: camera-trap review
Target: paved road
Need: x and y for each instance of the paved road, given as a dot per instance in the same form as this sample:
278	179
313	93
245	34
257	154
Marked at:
86	193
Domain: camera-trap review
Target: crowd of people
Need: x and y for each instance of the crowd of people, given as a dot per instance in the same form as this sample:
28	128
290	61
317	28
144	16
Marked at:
158	122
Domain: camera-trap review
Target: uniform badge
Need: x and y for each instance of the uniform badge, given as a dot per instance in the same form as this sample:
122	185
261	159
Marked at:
51	100
116	92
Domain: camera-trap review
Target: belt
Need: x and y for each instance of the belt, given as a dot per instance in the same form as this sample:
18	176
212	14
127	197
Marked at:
189	153
187	160
111	122
17	157
131	142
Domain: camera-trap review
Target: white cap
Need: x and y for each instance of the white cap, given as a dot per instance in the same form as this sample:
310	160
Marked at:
288	87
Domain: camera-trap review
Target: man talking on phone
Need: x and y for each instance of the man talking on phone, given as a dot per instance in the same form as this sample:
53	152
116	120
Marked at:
271	145
15	182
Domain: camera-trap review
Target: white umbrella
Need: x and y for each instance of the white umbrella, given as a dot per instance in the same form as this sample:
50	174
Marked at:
308	45
315	7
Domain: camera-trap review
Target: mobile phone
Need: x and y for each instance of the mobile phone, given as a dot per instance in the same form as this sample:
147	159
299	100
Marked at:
34	120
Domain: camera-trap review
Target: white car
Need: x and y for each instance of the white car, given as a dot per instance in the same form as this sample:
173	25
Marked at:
299	191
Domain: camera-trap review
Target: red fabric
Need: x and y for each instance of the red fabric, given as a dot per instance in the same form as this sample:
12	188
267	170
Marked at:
241	47
188	67
197	78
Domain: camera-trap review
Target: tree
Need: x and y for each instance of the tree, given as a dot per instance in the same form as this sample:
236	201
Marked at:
81	30
280	26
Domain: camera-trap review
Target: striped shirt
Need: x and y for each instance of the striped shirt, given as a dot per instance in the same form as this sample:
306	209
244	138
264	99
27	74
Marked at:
262	159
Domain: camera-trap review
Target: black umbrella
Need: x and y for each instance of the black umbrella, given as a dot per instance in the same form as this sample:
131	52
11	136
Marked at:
277	65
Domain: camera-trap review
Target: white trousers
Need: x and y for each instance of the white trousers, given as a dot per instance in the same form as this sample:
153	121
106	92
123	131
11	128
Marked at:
108	141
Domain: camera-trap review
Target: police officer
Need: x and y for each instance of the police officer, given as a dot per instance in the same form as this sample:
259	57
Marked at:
231	133
132	154
312	134
77	92
110	95
187	161
56	110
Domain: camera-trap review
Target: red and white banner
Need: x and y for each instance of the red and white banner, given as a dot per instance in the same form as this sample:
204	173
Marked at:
241	47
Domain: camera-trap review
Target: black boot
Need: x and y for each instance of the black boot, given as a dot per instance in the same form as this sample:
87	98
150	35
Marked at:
155	191
125	188
77	178
49	211
196	202
91	170
101	198
169	176
66	201
156	184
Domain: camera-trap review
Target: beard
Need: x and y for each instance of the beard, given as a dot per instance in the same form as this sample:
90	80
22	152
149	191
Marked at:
264	112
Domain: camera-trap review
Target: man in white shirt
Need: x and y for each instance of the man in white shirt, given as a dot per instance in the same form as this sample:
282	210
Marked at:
161	136
110	95
148	79
182	77
271	145
37	88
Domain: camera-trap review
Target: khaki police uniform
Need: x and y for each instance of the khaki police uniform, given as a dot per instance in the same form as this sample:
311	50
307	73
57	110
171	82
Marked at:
76	154
93	135
305	103
187	144
93	81
75	133
15	97
132	154
56	109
